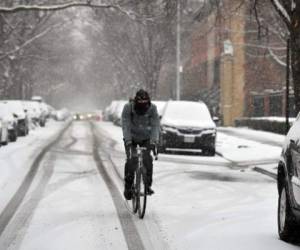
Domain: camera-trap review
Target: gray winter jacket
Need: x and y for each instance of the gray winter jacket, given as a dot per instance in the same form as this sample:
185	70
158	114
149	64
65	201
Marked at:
140	127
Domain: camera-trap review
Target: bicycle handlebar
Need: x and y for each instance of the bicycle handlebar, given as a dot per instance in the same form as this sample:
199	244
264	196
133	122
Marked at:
154	151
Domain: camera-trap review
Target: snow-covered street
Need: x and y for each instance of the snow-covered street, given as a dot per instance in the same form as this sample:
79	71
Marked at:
75	199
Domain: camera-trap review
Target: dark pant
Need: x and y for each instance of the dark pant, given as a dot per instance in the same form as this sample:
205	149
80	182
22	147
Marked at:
132	162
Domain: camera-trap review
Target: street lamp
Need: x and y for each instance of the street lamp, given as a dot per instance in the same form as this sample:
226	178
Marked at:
287	93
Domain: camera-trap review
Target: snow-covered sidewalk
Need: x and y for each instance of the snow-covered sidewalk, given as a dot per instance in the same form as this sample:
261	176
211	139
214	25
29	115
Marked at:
264	137
272	143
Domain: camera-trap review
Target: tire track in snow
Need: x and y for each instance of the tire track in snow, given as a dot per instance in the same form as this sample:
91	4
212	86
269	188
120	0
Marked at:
131	234
14	232
11	208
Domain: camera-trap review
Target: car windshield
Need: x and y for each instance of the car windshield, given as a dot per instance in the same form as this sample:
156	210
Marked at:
187	111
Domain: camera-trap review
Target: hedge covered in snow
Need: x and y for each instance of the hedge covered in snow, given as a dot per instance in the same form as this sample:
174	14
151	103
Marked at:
271	124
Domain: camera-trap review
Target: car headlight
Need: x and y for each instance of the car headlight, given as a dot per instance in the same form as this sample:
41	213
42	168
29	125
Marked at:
209	131
166	128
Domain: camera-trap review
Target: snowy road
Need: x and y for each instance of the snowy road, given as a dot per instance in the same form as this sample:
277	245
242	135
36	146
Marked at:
75	201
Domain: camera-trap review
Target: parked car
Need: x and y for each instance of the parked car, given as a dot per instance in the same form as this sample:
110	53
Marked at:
16	108
160	106
35	112
117	114
12	122
288	184
3	132
62	114
108	113
45	109
187	126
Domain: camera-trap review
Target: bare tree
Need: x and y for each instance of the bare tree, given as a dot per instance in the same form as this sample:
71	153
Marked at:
137	47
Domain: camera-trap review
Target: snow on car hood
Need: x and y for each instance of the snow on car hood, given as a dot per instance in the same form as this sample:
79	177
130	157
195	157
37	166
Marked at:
189	124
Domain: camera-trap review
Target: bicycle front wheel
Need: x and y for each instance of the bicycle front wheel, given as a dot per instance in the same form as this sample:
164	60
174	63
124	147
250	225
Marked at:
135	192
142	195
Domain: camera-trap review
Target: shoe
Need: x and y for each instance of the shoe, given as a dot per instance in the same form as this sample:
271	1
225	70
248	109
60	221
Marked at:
128	194
150	191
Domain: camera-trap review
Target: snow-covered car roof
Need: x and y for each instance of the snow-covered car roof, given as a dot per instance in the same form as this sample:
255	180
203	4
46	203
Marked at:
119	108
160	106
32	105
4	112
187	114
33	108
15	106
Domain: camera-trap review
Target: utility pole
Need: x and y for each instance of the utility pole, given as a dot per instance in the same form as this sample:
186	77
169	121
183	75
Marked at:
178	52
287	90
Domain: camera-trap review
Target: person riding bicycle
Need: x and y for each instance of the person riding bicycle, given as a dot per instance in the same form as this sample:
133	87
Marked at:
140	125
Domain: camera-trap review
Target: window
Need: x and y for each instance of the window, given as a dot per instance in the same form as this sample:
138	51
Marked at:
258	106
275	105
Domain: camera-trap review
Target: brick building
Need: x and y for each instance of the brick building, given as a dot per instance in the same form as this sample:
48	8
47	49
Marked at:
233	66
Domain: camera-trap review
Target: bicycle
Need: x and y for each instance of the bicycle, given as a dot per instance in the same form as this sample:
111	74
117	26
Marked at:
140	186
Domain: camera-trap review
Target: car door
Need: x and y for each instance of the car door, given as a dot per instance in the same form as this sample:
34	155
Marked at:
294	168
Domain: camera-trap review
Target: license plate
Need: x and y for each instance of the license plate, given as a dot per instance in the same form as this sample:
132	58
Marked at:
189	139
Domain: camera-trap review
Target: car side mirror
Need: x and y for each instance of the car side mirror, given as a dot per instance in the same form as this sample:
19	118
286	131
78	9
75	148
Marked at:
216	119
15	115
160	117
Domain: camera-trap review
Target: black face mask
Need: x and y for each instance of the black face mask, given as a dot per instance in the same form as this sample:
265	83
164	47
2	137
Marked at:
141	108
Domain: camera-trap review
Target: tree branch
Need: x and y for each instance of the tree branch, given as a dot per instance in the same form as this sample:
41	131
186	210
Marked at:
18	48
282	12
18	8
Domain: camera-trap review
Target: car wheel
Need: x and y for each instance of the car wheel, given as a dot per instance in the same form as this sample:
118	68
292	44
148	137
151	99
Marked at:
42	124
13	136
286	220
21	132
161	149
209	152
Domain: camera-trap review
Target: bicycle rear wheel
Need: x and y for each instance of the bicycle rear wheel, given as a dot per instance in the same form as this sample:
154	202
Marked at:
142	195
135	191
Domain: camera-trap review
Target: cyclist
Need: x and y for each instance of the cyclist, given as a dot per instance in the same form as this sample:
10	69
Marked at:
140	125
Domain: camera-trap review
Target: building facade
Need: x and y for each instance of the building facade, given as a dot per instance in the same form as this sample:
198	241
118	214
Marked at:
235	68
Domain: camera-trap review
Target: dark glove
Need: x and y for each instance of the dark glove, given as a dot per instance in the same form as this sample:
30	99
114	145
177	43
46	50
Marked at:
128	144
128	148
153	148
